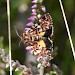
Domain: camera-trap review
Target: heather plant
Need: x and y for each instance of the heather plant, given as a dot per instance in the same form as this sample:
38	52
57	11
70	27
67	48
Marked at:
38	39
39	30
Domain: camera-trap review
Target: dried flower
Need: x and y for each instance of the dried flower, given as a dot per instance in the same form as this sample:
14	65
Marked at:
14	64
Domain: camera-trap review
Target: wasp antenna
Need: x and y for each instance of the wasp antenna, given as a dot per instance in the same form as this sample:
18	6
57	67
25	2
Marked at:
18	36
17	32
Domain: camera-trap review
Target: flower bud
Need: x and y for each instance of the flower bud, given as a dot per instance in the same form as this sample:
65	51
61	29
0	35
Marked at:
29	24
34	6
43	9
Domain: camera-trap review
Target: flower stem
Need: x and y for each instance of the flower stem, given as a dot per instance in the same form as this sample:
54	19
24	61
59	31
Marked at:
68	31
9	34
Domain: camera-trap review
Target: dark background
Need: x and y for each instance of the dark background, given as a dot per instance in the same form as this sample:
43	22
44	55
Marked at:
20	11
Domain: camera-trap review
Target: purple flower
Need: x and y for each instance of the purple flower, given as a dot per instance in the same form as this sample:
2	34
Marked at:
33	13
43	9
39	15
29	24
34	6
34	1
28	48
32	18
33	10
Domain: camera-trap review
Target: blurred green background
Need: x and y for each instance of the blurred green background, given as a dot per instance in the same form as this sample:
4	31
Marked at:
20	11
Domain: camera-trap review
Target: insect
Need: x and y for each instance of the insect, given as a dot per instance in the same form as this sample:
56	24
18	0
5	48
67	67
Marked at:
38	38
40	33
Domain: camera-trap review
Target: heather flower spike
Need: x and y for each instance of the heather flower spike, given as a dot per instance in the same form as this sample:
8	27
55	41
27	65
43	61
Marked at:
31	36
15	65
35	15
